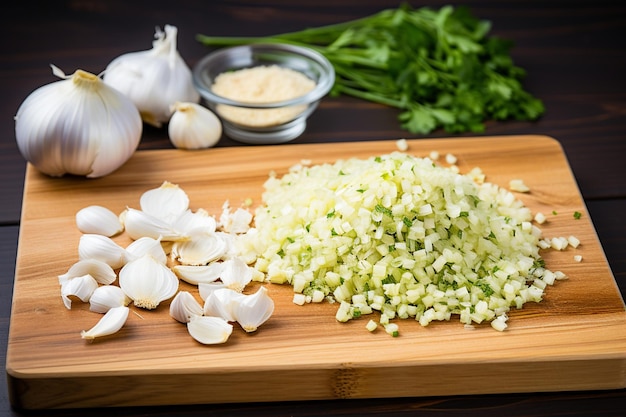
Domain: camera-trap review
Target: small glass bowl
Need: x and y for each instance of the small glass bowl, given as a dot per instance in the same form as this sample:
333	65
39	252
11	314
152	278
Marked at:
305	60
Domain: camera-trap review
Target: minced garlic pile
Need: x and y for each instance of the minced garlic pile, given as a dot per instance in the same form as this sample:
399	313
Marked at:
258	85
402	236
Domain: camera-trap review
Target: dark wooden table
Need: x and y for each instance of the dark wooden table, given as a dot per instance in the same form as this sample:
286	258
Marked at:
573	52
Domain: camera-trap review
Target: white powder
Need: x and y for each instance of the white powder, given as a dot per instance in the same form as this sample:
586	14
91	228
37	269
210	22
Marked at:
260	85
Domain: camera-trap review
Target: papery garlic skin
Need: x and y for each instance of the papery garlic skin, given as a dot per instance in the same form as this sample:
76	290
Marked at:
184	306
81	287
98	220
148	282
209	330
193	126
167	202
154	79
102	272
78	125
112	321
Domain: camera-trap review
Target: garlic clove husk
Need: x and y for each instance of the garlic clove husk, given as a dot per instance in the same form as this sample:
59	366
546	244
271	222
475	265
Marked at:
106	297
200	219
154	79
167	202
236	222
184	306
101	248
99	220
112	321
193	126
102	272
147	282
147	246
236	274
140	224
81	287
222	303
77	125
209	330
196	274
253	310
205	289
200	249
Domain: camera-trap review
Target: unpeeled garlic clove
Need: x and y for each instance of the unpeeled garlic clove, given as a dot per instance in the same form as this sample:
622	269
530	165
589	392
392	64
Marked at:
147	246
107	297
81	287
100	271
222	303
167	202
184	306
201	248
209	330
141	224
193	126
205	289
148	282
112	321
253	310
102	248
196	274
98	220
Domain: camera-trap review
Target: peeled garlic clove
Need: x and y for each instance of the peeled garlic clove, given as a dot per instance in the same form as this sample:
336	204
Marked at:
154	79
112	321
81	287
102	272
101	248
222	303
140	224
184	306
200	220
147	282
200	249
167	202
209	330
254	310
98	220
147	246
195	274
236	274
193	126
107	297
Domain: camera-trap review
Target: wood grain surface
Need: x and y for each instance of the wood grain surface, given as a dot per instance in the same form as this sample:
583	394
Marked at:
573	340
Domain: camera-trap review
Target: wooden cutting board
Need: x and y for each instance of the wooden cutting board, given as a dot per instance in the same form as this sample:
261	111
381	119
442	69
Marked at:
573	340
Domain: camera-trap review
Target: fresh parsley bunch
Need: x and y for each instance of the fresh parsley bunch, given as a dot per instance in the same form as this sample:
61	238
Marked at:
439	67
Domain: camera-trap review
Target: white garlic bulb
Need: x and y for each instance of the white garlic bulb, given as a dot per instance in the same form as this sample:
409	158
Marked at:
154	79
193	126
77	125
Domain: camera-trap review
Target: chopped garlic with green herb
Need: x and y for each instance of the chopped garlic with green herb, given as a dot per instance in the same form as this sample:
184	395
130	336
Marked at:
401	236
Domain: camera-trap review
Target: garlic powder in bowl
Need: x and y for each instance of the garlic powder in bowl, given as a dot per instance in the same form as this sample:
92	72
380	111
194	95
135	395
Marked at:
263	93
261	84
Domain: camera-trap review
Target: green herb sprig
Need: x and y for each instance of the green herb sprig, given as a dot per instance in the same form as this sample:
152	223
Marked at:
440	68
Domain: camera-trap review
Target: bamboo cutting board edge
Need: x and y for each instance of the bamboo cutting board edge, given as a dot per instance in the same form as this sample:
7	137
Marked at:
607	325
